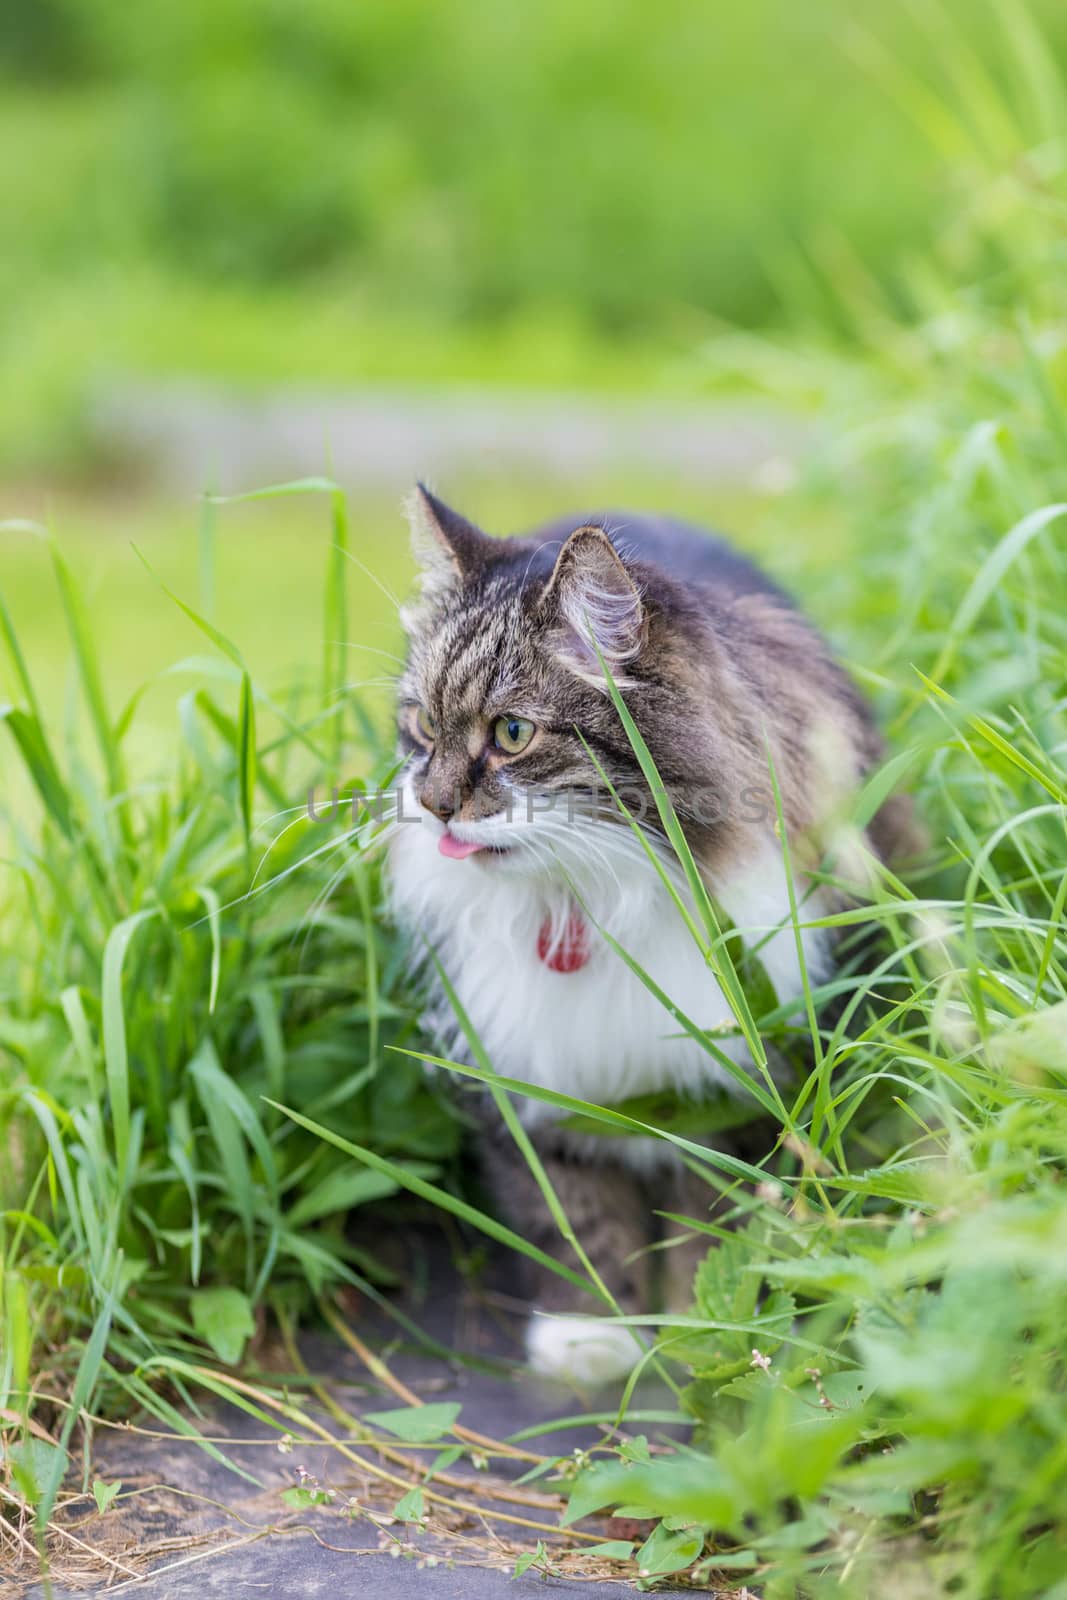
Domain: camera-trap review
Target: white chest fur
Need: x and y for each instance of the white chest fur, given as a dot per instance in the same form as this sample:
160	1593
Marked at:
596	1033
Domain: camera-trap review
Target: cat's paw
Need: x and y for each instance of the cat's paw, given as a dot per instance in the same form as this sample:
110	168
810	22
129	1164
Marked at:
582	1350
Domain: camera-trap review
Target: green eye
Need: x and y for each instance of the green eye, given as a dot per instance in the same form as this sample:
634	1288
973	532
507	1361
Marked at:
426	725
512	734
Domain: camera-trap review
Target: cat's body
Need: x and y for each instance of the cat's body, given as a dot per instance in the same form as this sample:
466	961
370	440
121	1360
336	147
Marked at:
510	864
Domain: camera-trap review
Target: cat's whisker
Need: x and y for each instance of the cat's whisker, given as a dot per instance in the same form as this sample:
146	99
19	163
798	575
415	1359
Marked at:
364	683
543	844
286	811
373	576
608	838
278	837
363	850
318	905
606	863
261	888
372	649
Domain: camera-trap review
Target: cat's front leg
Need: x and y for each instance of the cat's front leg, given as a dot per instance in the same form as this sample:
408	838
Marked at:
569	1335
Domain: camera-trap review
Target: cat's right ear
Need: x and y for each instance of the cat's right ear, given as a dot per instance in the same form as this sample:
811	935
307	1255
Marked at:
594	609
449	549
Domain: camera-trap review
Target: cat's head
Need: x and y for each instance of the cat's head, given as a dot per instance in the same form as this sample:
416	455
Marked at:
505	716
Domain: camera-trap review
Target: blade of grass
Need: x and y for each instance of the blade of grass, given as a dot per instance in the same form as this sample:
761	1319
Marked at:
246	757
37	758
18	662
81	634
113	1013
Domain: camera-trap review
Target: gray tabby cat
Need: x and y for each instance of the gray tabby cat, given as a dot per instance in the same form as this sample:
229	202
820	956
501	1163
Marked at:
512	866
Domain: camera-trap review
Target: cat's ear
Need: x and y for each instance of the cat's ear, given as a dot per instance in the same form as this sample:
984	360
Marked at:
447	547
593	607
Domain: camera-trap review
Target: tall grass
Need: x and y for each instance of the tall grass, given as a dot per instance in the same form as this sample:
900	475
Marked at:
167	961
875	1349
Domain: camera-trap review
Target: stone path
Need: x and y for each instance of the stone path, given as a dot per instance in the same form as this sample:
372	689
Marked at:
196	1528
292	1568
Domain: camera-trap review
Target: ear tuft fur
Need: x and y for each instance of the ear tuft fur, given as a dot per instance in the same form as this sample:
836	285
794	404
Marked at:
596	607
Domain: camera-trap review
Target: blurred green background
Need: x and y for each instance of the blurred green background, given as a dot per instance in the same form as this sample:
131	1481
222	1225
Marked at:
264	196
433	192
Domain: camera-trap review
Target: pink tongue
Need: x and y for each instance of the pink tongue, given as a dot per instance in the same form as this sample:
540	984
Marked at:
457	848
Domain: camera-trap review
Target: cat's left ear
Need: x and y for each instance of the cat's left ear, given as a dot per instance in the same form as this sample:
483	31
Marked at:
449	549
594	607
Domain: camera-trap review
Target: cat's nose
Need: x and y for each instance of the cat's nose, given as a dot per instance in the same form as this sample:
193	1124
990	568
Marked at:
440	800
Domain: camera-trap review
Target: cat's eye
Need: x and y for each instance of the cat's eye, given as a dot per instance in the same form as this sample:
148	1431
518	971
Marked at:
425	724
512	734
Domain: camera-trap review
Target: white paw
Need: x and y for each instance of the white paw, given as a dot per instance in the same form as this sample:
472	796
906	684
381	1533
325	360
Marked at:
583	1350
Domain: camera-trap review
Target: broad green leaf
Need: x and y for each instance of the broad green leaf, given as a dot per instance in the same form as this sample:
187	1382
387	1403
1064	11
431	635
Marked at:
104	1493
410	1507
223	1319
664	1552
416	1424
529	1558
301	1498
32	1463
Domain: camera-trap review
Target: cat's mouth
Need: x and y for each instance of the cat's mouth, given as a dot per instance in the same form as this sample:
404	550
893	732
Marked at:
459	849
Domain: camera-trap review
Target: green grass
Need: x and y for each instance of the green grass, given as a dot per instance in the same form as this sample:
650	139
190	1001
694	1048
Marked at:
898	1271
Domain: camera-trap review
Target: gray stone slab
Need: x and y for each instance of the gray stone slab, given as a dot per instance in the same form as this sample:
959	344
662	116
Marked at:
298	1569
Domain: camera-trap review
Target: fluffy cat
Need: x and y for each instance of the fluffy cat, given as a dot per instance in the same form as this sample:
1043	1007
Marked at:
510	863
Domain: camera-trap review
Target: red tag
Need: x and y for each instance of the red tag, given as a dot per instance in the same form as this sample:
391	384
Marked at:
571	951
